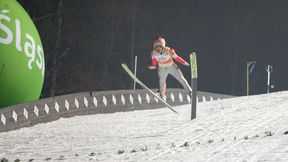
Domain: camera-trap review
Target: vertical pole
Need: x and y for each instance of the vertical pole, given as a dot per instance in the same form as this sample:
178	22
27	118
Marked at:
194	100
268	80
248	71
194	75
247	78
135	72
269	70
132	37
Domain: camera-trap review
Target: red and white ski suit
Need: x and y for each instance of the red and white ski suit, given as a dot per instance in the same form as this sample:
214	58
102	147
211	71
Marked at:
166	66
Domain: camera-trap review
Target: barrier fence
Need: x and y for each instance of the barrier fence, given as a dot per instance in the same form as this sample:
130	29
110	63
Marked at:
50	109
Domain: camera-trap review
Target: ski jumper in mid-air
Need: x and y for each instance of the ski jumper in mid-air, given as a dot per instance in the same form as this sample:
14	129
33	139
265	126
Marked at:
163	57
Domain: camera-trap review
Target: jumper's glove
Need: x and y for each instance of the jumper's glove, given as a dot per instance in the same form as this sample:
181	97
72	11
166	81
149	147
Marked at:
186	64
151	67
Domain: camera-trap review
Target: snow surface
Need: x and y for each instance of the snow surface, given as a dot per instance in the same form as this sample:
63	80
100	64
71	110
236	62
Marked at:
243	129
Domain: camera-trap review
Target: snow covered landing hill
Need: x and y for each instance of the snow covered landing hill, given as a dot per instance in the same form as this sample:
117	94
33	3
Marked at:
244	129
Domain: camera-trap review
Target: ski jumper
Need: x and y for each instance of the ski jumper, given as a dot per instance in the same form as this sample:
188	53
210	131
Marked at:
166	66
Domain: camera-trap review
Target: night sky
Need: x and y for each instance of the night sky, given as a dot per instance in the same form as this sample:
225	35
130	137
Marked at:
89	39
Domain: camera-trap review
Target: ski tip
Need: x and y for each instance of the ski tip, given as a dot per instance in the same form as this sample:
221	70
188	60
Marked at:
123	65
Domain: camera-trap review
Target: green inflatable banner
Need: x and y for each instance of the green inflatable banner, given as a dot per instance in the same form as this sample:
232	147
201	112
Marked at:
22	64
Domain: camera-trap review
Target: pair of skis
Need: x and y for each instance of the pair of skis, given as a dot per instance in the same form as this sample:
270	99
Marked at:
193	66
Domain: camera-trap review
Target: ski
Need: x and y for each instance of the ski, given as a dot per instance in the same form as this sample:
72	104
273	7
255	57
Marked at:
194	76
129	72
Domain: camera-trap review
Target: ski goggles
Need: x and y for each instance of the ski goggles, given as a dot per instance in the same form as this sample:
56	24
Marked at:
158	46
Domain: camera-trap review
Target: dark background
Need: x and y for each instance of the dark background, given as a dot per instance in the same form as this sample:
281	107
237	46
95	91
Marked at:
85	41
